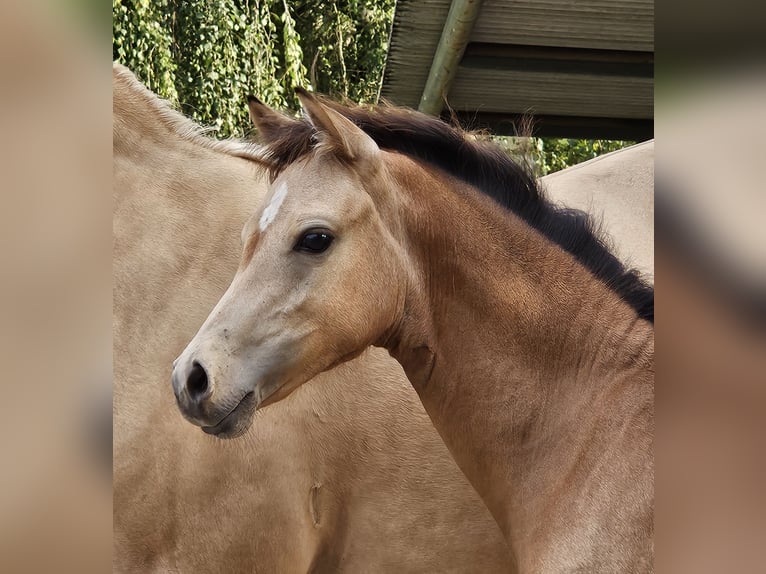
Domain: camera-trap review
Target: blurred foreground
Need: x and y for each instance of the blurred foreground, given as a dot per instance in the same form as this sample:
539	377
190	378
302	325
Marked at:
710	269
55	300
710	272
710	266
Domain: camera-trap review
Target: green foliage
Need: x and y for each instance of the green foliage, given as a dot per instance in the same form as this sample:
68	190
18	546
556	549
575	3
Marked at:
206	56
142	41
555	154
345	45
547	155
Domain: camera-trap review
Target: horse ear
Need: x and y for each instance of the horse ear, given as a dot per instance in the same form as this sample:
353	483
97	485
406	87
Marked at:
268	122
333	129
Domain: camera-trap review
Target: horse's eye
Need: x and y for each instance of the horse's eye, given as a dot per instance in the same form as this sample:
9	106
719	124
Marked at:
314	241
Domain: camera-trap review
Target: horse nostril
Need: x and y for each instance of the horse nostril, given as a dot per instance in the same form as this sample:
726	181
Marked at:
197	383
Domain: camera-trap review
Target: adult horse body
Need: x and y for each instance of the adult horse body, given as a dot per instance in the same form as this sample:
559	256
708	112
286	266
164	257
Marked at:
347	476
528	343
618	189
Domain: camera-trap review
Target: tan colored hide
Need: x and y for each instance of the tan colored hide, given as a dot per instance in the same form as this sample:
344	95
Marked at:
347	475
618	188
530	346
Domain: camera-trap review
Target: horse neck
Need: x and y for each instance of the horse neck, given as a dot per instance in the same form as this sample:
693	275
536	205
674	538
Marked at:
513	348
178	211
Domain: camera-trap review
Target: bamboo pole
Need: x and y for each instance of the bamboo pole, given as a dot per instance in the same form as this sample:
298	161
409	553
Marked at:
455	35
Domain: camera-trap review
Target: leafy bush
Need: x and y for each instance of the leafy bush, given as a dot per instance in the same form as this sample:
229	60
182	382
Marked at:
555	154
205	56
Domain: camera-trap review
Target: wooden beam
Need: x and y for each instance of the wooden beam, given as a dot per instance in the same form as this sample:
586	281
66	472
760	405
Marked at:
559	60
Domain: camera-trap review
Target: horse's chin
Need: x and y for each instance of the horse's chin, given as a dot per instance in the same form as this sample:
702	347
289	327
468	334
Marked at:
237	421
278	392
273	397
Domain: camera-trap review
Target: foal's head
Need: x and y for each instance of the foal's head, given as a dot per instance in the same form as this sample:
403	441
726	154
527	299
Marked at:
321	275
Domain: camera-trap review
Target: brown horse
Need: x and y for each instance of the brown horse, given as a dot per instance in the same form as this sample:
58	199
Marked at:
528	342
347	476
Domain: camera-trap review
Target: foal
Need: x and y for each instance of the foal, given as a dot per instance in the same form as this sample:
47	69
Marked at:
529	344
317	481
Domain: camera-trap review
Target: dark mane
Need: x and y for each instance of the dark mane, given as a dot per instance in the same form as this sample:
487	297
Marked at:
488	168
